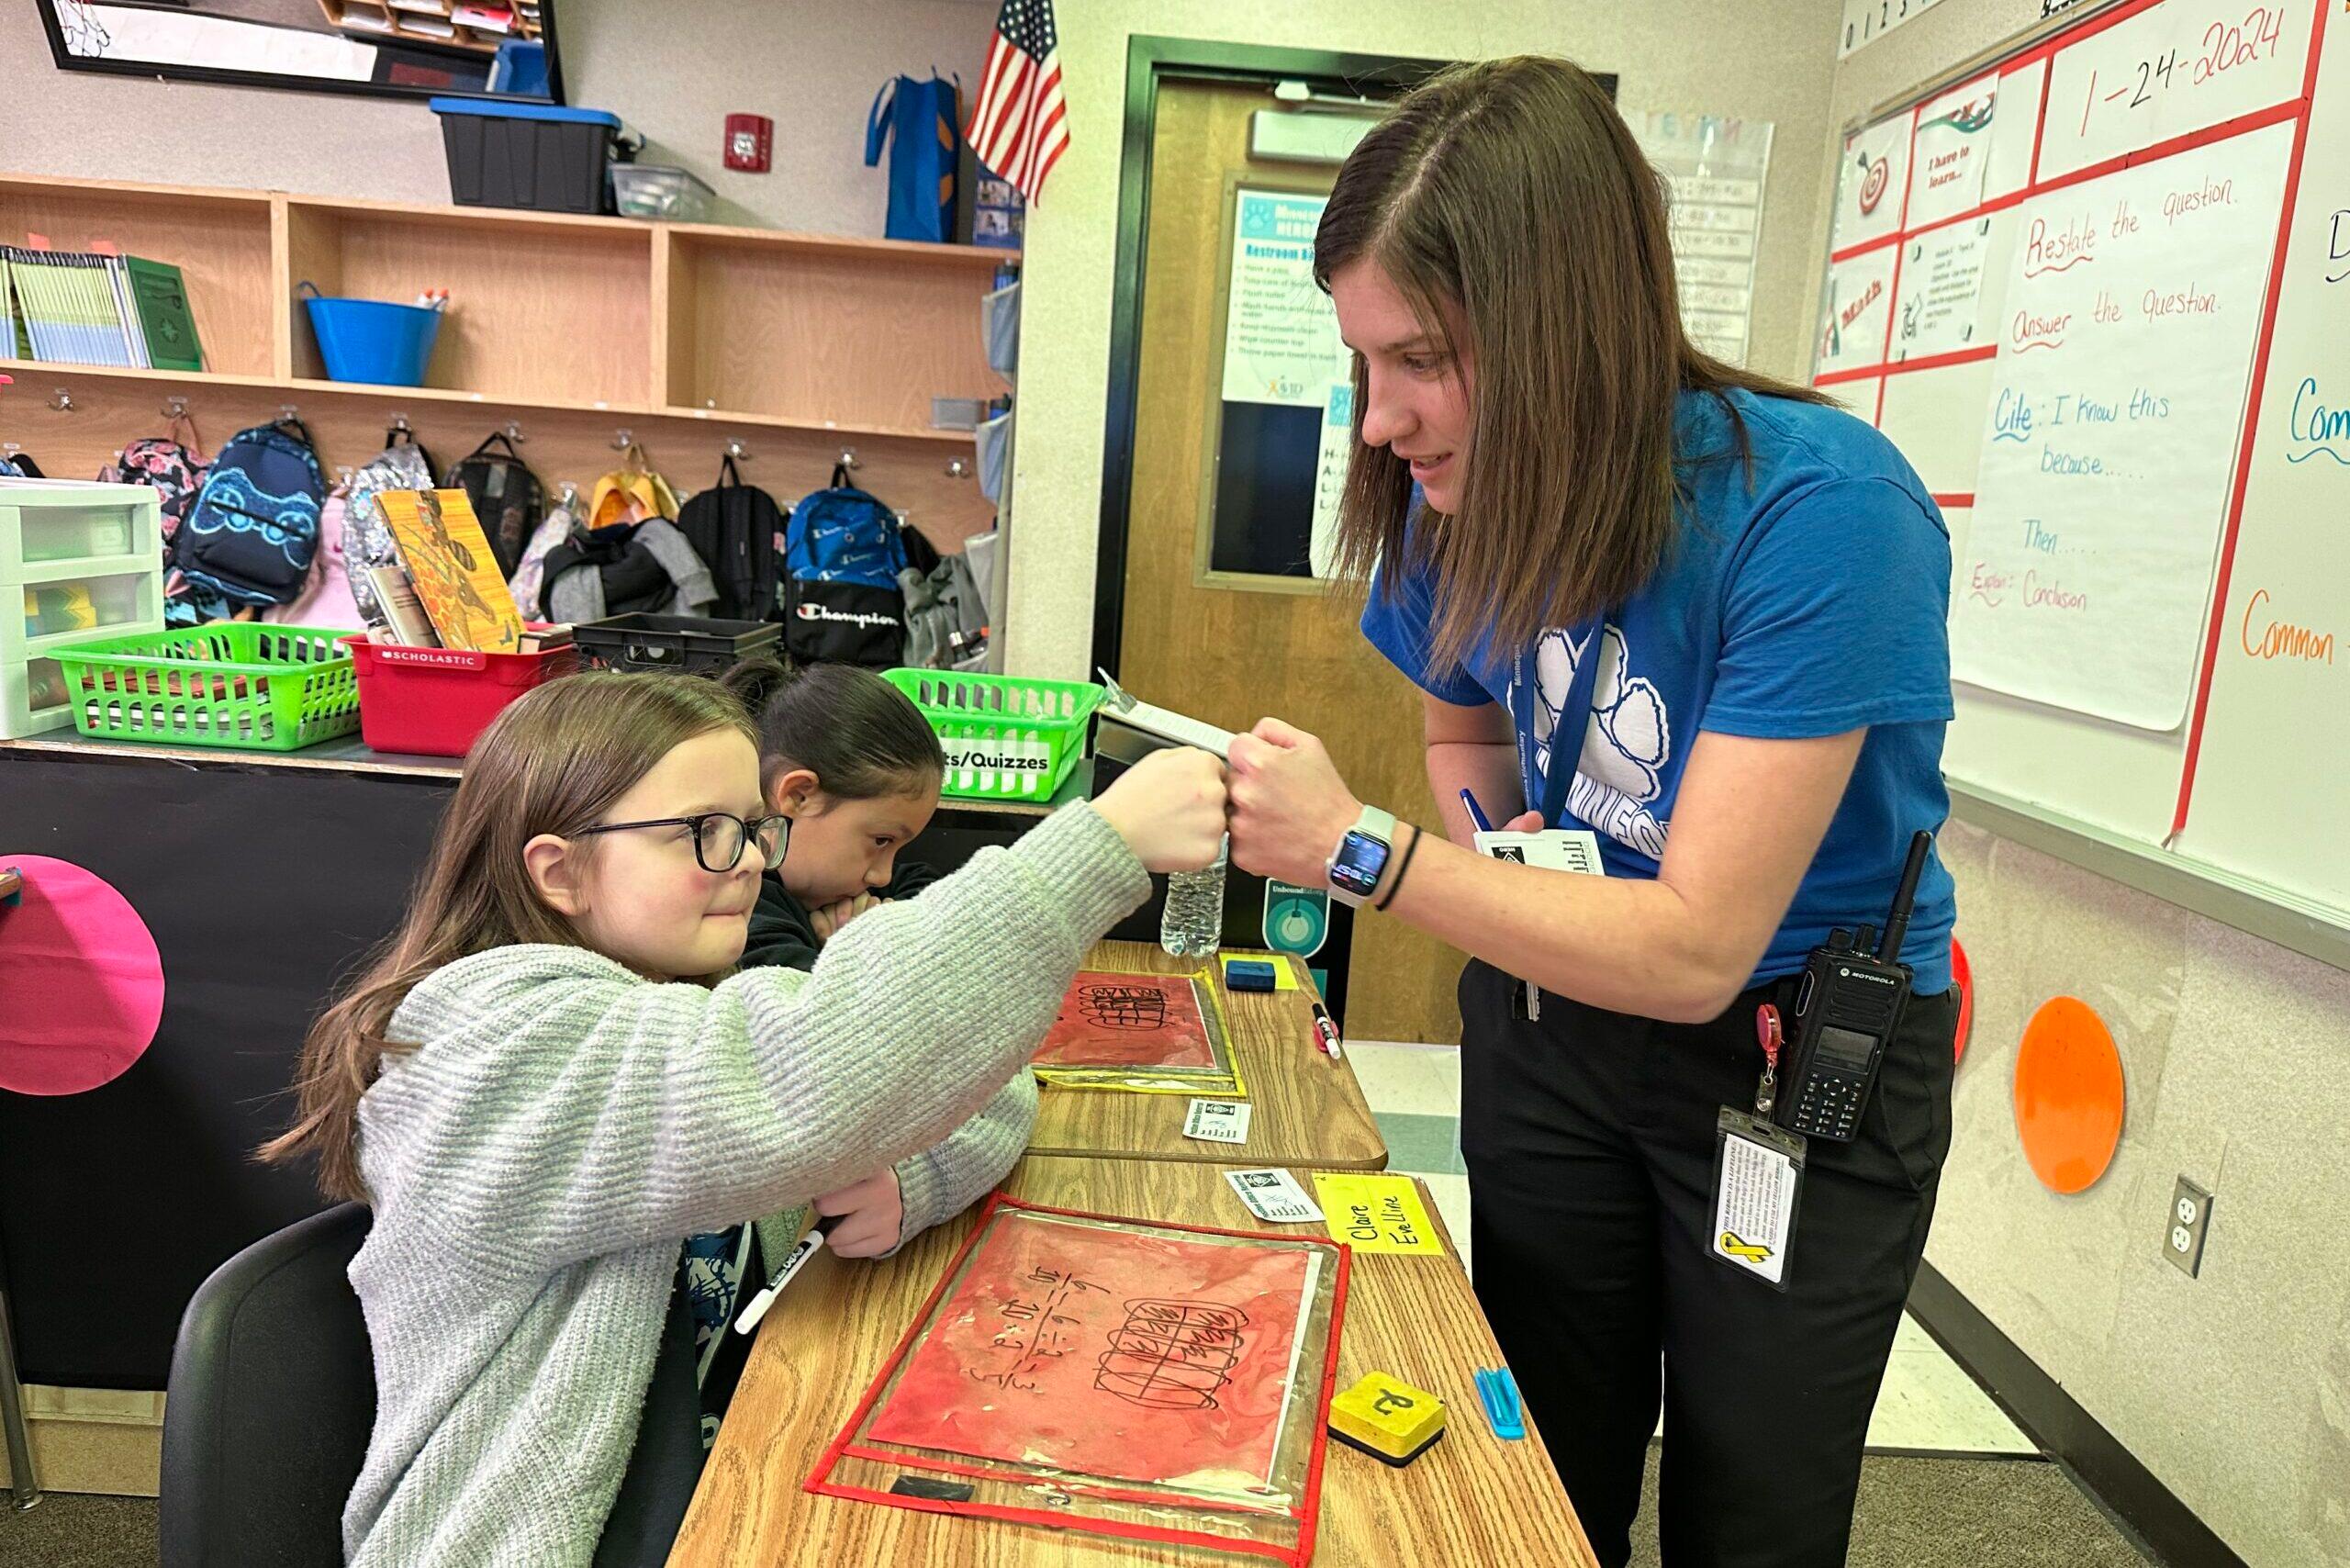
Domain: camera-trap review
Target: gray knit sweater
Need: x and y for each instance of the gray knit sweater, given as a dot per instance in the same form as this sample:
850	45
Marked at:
560	1125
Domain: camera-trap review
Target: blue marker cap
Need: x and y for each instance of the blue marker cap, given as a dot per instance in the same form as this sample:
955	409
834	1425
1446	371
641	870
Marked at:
1497	1392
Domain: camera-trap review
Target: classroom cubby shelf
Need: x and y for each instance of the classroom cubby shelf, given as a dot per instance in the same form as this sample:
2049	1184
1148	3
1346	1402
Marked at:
689	335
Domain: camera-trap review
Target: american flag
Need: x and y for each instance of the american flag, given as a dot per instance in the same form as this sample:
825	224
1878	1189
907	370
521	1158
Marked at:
1019	128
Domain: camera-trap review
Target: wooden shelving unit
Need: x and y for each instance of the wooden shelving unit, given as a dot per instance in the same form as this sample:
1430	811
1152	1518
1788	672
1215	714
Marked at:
688	336
384	20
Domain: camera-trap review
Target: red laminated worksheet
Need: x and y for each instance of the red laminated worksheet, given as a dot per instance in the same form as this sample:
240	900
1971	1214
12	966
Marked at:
1129	1020
1142	1357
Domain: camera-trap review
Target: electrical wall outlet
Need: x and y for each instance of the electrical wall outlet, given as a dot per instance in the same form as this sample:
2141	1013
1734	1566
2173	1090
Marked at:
2185	1227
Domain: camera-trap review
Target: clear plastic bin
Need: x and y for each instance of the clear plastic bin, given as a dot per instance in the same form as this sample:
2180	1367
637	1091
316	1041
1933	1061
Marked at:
32	698
657	190
86	606
43	524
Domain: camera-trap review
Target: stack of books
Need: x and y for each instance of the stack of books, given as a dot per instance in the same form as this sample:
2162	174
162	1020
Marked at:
86	308
444	590
438	594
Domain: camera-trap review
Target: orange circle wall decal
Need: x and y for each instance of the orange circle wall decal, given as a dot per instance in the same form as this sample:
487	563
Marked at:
2068	1095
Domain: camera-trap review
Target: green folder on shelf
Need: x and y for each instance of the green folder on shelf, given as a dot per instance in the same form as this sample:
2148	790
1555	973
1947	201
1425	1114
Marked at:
169	327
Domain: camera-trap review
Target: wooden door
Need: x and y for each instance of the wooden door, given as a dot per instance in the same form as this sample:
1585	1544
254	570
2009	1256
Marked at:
1232	655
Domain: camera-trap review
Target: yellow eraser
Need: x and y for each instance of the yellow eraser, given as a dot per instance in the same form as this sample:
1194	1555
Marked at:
1387	1419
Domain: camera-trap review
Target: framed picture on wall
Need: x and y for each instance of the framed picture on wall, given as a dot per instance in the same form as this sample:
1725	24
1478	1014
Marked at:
402	48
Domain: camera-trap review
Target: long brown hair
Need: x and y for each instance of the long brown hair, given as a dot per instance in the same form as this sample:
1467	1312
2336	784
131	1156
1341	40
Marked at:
553	762
1511	191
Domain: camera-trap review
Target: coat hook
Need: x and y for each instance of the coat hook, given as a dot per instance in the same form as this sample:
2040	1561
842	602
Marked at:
287	412
848	458
174	408
400	426
622	439
61	400
958	469
738	452
514	431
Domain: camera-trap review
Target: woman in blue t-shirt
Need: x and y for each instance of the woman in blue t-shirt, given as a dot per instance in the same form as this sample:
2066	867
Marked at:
1752	585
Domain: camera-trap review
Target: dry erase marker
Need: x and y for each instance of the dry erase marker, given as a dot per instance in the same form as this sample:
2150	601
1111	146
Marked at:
1476	814
791	1265
1327	1032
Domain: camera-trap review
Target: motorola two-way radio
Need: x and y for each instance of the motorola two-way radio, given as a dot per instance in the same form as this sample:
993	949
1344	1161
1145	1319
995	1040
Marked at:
1850	1006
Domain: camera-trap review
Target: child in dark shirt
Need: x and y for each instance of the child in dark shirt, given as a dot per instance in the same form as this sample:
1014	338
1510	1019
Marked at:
851	761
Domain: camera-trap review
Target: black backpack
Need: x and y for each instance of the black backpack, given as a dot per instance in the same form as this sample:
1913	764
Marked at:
507	497
738	532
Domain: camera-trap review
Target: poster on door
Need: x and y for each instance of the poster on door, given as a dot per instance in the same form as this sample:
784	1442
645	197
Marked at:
1330	477
1281	335
2133	304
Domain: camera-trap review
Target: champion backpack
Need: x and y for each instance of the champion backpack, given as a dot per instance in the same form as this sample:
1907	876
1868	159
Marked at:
507	497
842	602
738	531
253	530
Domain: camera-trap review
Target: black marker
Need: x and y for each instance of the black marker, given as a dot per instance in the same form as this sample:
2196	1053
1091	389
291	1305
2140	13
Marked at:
782	1277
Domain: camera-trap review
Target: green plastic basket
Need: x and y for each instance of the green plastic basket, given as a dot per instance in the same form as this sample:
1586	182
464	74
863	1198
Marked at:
1006	739
238	685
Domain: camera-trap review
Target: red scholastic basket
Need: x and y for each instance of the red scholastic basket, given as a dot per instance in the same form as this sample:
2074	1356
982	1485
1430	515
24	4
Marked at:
434	701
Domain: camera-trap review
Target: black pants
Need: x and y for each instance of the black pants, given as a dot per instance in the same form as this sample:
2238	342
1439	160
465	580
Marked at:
1589	1138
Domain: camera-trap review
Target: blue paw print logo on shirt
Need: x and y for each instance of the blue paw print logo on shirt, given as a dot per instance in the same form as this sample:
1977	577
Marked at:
1620	771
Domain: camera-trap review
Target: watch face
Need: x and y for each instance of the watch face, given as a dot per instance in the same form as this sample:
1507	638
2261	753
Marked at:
1358	864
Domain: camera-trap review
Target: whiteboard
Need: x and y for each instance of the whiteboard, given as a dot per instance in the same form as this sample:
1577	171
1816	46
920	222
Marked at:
2098	292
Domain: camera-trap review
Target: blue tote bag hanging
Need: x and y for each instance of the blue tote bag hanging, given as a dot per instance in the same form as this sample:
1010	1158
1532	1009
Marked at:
918	119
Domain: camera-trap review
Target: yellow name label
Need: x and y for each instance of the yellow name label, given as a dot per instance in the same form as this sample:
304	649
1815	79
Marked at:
1376	1213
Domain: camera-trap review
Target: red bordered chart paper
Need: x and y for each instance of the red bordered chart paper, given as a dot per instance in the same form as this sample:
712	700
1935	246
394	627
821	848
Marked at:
1150	1382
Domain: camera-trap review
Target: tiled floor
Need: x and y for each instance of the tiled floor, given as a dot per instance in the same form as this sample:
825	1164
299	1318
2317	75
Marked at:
1929	1405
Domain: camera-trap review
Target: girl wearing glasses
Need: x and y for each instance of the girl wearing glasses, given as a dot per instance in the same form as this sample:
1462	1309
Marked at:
543	1086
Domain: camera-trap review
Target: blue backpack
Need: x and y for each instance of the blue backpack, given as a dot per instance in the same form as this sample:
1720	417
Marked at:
922	118
253	530
842	600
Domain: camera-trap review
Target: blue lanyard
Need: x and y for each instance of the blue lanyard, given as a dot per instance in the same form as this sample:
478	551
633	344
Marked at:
1573	722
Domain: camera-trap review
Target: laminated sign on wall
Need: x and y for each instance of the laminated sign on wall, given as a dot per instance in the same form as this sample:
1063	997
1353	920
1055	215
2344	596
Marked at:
1715	166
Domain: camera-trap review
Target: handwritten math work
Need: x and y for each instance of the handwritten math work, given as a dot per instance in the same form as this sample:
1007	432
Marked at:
1130	1352
1128	1020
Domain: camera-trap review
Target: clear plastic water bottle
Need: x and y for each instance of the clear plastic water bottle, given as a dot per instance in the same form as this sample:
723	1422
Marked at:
1192	925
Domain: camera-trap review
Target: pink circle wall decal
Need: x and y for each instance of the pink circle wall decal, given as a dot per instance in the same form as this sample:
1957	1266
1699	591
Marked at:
80	983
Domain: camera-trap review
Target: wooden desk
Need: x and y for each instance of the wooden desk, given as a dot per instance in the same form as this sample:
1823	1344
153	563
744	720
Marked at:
1472	1499
1308	1109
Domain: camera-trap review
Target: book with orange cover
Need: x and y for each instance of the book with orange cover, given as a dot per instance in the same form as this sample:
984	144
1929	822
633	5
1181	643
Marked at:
448	557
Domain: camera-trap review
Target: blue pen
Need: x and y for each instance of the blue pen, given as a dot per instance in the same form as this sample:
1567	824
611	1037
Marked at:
1476	814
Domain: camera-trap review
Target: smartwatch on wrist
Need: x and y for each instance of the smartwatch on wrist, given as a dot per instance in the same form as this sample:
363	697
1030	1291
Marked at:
1361	859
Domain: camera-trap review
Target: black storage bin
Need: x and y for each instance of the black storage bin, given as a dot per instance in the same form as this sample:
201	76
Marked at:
691	645
534	156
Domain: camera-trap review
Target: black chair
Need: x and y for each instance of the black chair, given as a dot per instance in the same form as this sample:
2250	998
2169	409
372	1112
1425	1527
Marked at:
272	1399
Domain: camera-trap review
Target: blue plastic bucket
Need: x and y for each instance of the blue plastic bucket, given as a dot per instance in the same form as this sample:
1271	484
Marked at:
372	340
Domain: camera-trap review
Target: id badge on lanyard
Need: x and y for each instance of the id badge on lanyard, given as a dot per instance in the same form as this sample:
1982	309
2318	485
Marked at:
1758	1175
1567	735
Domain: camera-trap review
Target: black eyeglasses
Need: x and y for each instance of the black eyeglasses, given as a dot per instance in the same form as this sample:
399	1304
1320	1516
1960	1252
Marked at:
719	837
